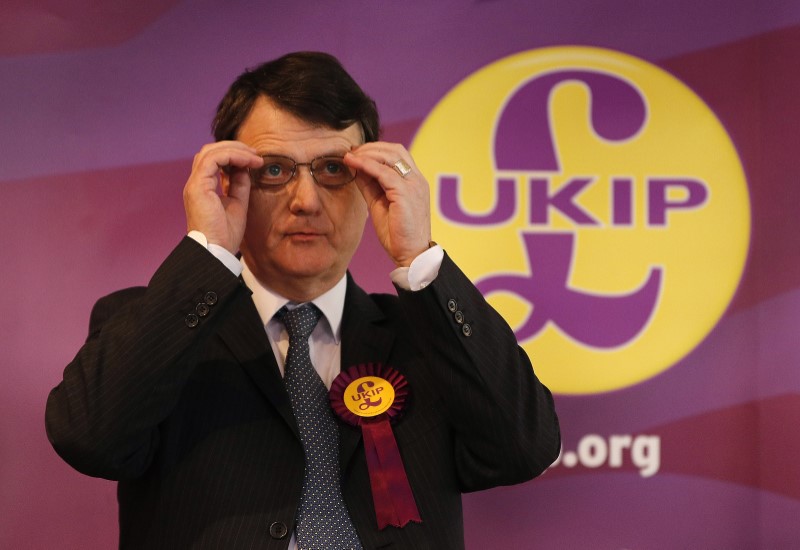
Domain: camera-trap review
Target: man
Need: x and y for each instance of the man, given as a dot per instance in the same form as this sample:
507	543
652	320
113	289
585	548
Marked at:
186	391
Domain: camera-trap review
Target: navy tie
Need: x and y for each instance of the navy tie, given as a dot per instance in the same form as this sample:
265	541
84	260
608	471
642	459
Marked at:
323	522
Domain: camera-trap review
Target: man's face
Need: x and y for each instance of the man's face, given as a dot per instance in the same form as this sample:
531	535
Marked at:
299	238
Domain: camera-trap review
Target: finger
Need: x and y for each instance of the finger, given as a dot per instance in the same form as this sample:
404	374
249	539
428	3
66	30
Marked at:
386	153
216	168
225	155
366	165
239	185
369	187
374	166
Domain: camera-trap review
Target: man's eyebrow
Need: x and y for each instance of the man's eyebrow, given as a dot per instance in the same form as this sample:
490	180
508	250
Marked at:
335	153
331	153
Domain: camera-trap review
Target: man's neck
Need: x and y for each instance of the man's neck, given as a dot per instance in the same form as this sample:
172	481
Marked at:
296	289
268	301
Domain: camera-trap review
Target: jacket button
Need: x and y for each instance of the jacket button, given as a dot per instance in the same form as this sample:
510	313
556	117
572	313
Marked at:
202	309
466	329
459	317
278	530
192	320
210	298
452	305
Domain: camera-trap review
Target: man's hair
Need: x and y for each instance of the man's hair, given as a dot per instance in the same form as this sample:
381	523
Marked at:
312	86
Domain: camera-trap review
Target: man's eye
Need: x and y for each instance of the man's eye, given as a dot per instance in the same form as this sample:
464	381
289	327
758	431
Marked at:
273	170
333	167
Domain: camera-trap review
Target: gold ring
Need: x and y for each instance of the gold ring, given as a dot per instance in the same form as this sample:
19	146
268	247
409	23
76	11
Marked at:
402	168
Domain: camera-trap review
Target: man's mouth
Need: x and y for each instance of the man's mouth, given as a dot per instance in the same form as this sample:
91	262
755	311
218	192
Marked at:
303	234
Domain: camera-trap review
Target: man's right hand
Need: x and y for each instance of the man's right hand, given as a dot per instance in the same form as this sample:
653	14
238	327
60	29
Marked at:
218	191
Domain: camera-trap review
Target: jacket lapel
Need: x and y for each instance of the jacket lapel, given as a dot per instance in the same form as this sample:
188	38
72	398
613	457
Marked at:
365	339
244	335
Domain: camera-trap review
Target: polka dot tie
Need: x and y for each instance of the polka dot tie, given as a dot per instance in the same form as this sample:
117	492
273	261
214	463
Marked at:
323	522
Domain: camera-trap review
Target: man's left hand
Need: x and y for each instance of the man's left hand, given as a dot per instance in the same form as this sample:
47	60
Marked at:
398	205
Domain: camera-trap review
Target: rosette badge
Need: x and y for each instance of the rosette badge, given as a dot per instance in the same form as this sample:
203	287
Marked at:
372	396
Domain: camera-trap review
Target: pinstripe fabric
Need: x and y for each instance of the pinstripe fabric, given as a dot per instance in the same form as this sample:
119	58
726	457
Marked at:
196	425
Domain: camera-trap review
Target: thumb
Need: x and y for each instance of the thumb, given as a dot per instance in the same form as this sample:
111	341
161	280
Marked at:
237	186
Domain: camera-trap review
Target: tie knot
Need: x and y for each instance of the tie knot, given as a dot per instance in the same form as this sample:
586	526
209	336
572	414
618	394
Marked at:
300	321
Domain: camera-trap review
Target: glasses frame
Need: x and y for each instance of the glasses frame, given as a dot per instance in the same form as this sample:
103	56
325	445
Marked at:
256	183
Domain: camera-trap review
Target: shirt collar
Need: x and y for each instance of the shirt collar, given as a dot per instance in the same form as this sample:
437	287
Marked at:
268	302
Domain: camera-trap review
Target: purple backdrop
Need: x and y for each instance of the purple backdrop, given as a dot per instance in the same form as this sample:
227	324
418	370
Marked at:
104	107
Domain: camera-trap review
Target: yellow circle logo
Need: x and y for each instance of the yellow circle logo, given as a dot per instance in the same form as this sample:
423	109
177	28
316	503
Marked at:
596	202
369	396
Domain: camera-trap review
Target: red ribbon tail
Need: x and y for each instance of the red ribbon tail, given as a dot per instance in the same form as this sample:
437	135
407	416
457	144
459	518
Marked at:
391	492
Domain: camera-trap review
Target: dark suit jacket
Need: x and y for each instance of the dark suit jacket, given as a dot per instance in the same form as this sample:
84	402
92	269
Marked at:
195	422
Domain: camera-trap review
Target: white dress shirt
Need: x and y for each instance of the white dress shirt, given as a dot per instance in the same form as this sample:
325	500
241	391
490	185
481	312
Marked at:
325	340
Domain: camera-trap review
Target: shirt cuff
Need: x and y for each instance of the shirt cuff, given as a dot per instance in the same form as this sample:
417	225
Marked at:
422	271
219	252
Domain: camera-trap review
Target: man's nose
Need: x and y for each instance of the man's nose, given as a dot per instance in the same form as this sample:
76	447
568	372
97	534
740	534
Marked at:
304	192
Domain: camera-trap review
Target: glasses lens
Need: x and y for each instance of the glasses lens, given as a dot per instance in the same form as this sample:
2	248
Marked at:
276	171
332	171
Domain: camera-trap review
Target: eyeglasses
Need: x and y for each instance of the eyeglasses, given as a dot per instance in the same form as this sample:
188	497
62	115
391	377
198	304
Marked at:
279	170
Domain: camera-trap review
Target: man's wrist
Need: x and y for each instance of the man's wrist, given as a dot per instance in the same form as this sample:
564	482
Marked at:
422	271
219	252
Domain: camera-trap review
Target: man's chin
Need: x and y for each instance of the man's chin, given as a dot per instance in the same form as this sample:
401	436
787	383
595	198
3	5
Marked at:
312	265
